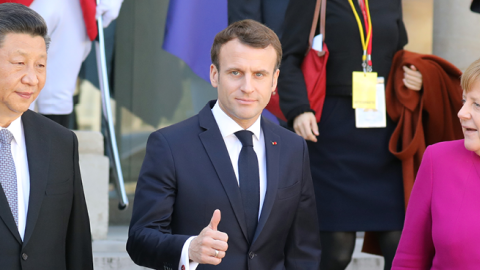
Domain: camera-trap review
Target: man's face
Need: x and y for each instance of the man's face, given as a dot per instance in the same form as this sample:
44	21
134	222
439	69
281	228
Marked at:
245	81
23	61
469	116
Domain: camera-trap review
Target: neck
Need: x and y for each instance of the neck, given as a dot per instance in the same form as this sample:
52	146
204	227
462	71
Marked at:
6	121
244	123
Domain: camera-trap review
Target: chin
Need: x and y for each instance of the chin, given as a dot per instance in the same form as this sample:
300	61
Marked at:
19	109
472	146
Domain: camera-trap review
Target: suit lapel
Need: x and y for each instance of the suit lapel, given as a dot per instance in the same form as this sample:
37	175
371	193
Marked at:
272	153
38	146
215	147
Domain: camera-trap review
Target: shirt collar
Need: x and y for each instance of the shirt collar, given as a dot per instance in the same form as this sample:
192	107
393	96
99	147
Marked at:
16	128
228	126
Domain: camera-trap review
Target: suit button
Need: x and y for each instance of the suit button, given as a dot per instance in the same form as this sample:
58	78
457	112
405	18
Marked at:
24	256
251	255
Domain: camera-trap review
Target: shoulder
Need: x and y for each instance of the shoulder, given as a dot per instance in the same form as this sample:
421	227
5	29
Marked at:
447	158
180	132
447	150
43	125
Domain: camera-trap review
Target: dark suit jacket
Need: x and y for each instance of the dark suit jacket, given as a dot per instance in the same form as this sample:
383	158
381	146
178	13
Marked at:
57	234
269	12
475	7
187	174
343	41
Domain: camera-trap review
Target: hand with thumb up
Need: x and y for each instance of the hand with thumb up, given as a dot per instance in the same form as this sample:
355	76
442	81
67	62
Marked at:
210	245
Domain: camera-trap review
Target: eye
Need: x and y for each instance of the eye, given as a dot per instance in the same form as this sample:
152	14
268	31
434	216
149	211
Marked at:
476	104
259	74
235	73
463	101
20	63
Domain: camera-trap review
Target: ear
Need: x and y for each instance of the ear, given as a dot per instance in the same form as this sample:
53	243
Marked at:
213	75
275	80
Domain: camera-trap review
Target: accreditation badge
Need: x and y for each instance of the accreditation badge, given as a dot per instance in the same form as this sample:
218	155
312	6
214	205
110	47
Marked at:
377	117
364	92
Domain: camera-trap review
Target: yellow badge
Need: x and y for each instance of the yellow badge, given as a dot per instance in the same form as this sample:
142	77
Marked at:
364	90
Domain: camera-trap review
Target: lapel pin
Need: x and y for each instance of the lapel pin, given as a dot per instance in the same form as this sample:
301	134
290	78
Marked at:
274	143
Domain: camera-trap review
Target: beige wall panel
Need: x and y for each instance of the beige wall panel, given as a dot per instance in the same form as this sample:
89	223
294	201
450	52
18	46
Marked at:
418	19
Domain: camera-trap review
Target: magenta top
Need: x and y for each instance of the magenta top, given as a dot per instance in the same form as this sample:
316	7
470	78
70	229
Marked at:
442	224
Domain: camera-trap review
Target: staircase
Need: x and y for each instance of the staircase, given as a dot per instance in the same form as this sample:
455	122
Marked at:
110	254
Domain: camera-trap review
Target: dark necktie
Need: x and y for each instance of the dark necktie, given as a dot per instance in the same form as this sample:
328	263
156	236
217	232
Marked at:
8	175
249	179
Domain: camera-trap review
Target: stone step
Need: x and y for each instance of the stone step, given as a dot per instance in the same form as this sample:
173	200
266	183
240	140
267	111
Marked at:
110	254
364	261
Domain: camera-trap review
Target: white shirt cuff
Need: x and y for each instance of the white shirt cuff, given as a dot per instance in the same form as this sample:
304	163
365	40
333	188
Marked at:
185	263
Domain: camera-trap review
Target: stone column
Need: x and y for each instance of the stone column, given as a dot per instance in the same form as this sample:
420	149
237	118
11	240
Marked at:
418	19
94	167
456	32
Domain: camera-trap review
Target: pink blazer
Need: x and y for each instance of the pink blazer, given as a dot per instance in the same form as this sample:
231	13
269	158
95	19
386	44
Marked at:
442	224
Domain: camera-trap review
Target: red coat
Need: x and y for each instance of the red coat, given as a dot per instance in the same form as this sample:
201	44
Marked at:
88	8
424	117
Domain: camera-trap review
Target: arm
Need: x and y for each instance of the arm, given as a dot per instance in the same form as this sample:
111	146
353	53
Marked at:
413	79
291	83
402	31
108	10
50	15
303	242
416	249
79	239
291	87
151	242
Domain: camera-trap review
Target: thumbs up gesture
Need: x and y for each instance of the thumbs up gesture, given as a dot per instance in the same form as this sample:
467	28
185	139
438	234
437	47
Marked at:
210	245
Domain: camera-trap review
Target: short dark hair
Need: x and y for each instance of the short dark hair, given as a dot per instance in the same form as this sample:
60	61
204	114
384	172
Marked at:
248	32
19	19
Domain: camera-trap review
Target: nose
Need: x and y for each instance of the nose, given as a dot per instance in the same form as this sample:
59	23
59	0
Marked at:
247	86
464	113
30	77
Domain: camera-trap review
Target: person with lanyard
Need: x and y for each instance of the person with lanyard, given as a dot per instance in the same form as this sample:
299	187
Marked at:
357	181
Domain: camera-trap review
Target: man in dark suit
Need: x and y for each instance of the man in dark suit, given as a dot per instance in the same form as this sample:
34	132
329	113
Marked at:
261	197
44	222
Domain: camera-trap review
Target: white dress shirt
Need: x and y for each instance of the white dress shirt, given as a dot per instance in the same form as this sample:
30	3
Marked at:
228	127
19	153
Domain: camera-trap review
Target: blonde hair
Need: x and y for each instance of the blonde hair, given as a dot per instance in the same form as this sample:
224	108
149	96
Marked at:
470	76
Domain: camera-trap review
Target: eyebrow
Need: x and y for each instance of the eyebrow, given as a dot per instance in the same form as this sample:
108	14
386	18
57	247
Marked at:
262	71
22	53
256	71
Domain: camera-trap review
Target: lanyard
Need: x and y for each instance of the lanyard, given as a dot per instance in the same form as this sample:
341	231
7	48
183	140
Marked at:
365	19
366	43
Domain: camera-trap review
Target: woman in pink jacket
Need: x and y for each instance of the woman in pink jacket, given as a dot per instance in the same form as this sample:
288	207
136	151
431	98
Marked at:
442	224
